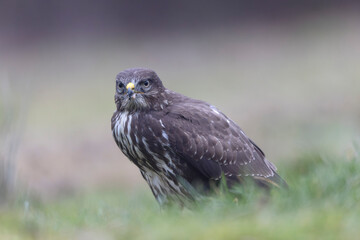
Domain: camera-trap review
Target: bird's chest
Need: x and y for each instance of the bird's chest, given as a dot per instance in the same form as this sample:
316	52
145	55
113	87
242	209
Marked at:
126	136
142	142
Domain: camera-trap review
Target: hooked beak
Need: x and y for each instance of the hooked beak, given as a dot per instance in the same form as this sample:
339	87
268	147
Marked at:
130	90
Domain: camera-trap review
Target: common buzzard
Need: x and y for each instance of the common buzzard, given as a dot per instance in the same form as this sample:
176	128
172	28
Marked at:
182	146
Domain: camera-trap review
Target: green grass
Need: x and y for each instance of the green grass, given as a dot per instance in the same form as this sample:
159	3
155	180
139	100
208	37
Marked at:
322	203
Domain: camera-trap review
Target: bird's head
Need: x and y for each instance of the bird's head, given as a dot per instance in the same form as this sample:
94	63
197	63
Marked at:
138	89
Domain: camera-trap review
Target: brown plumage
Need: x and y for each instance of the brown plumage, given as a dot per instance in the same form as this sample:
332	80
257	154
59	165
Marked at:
182	146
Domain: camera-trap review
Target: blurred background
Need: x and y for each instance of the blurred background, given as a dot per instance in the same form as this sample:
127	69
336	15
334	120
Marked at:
286	71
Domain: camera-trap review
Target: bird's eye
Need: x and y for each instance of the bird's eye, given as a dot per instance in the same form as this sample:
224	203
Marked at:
120	87
146	83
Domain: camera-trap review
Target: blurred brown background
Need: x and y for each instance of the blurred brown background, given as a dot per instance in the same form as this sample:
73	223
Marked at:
286	71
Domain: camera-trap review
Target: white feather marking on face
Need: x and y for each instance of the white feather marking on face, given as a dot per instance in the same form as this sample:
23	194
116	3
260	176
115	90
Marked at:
162	123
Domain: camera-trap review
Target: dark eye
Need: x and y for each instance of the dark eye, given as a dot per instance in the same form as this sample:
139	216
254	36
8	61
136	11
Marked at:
120	87
146	83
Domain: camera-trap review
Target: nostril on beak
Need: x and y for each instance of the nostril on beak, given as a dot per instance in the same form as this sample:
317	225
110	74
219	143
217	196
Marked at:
130	86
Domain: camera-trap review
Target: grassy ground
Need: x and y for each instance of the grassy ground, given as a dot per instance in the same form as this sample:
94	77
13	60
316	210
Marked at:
322	203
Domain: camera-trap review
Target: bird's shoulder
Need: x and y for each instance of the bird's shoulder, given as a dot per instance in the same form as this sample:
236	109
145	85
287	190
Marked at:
195	111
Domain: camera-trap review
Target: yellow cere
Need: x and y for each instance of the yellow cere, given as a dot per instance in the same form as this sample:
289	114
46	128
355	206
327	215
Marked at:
130	85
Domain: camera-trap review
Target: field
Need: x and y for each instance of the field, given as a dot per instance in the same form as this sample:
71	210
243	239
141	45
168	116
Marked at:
322	203
294	89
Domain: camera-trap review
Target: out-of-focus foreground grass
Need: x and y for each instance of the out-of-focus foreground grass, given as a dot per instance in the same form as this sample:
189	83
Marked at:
322	203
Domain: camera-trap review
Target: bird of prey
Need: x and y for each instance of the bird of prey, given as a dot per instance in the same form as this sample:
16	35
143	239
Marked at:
182	146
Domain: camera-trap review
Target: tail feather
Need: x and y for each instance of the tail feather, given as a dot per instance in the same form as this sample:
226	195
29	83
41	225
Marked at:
274	180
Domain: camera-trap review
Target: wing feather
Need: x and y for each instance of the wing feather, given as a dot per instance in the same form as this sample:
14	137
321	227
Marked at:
205	138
